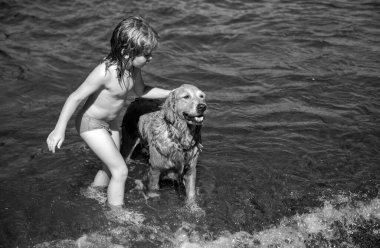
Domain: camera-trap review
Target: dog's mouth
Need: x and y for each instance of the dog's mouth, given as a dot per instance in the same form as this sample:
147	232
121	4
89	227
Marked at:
197	120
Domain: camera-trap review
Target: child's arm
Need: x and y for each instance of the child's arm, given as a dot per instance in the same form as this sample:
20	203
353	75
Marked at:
146	91
95	80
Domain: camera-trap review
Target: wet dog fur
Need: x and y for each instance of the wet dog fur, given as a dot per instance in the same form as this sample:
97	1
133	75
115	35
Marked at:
172	132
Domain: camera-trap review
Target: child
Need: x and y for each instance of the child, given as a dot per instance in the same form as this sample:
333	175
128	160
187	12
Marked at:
106	88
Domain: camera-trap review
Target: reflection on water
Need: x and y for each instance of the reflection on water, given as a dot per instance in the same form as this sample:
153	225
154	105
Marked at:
291	137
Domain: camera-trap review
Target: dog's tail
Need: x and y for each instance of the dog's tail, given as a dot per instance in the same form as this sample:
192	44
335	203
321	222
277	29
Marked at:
144	127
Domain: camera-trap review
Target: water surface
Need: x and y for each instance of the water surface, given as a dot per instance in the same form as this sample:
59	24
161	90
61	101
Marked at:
291	137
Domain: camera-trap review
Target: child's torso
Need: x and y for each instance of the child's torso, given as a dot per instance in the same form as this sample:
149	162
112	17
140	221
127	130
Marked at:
106	103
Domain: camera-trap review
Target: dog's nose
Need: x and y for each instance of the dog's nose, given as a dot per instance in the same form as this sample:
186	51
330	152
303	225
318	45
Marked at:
201	108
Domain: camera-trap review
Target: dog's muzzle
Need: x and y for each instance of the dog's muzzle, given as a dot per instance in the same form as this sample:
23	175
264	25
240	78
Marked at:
196	120
201	108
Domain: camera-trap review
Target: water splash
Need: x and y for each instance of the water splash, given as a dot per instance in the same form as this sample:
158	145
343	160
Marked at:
125	216
96	193
341	222
119	215
347	225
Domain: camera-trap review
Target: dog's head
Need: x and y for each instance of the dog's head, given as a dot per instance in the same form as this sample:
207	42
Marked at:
187	103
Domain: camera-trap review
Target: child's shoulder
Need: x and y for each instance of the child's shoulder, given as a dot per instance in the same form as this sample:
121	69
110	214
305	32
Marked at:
106	66
104	69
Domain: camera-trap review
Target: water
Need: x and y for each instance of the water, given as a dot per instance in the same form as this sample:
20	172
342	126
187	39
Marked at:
291	140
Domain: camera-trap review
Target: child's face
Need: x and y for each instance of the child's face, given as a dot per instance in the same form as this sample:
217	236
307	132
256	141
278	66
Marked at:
141	60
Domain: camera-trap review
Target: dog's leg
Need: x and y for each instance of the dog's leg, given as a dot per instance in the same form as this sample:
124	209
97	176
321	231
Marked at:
154	177
189	180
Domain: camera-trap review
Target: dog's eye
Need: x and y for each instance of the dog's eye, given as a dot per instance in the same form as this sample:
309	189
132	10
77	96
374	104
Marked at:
202	96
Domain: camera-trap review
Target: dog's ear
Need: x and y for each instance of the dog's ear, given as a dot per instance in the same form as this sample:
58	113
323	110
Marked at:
169	107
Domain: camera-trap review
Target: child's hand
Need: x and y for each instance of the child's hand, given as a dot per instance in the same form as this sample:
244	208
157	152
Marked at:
55	139
170	92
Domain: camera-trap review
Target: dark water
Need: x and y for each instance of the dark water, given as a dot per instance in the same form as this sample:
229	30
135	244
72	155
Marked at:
292	136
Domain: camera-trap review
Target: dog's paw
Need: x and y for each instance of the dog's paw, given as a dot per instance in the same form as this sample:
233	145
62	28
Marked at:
139	185
153	194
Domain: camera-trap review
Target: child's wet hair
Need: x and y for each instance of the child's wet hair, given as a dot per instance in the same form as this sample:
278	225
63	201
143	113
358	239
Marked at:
131	37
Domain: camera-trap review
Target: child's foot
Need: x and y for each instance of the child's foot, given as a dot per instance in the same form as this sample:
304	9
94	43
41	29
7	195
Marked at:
122	215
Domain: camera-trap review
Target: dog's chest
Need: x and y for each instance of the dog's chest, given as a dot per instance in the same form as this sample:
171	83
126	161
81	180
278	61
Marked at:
185	160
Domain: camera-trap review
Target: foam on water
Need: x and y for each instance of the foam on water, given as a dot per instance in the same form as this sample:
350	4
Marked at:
330	226
341	222
125	216
117	215
96	193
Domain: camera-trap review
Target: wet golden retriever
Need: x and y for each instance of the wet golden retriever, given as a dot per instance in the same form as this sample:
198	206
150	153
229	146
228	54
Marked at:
173	135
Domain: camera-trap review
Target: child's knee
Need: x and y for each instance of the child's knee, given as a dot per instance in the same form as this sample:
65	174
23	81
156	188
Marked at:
120	173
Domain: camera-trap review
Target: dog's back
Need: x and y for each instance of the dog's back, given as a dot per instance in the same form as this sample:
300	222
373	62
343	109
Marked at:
129	127
147	123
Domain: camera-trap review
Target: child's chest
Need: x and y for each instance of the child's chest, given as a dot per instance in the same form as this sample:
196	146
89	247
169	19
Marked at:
120	89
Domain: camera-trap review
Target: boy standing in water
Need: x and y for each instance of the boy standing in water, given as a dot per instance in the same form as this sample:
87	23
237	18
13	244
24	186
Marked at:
106	88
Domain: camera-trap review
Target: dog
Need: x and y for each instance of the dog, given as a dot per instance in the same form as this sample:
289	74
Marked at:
172	133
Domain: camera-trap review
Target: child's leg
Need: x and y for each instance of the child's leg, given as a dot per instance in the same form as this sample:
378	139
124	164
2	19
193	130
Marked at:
104	146
116	138
103	176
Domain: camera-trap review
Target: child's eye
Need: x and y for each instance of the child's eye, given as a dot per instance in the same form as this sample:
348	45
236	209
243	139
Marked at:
186	97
